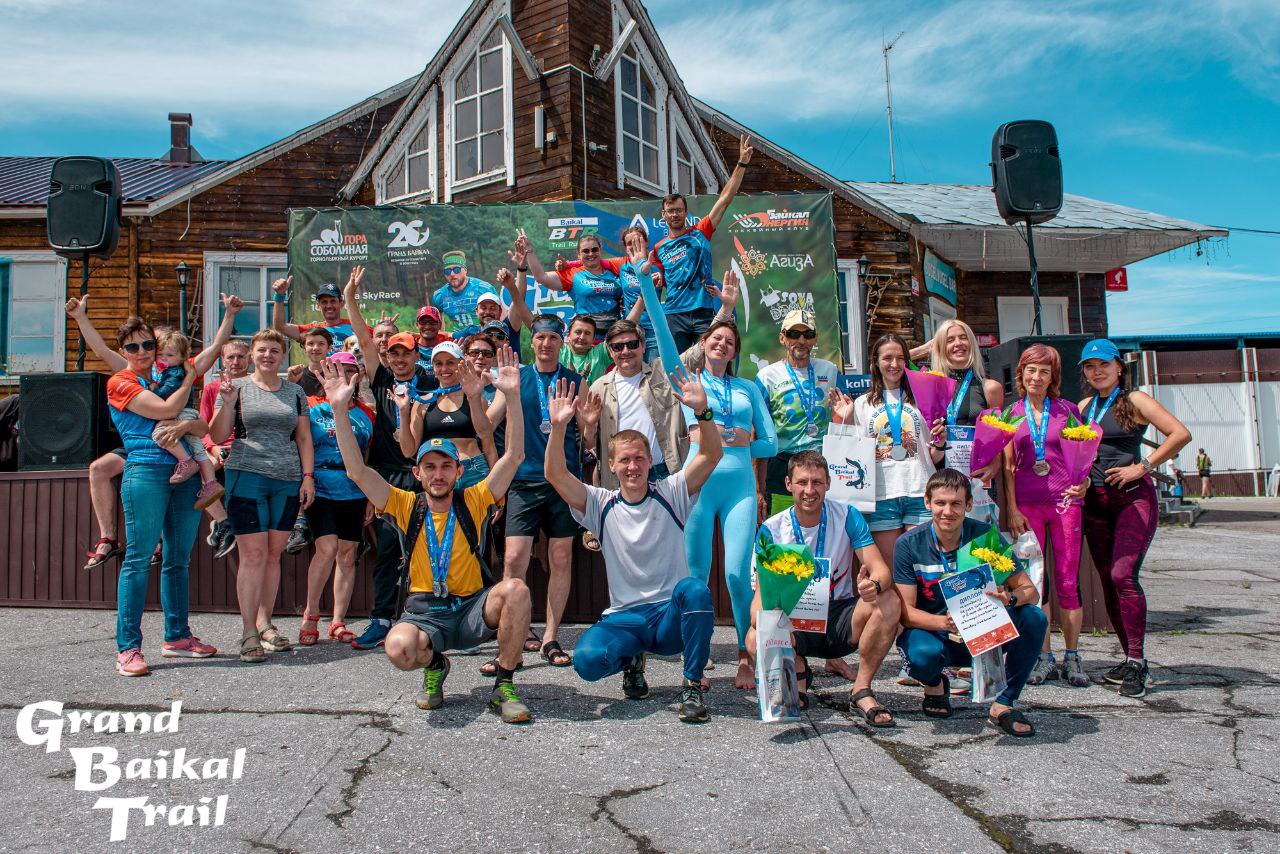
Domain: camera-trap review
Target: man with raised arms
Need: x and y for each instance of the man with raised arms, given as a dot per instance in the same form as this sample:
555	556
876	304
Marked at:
655	605
448	606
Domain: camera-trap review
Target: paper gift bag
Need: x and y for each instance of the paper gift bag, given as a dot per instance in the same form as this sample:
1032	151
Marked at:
851	462
776	688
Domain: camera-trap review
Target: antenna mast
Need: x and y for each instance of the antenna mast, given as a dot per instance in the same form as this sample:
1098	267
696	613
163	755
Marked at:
888	105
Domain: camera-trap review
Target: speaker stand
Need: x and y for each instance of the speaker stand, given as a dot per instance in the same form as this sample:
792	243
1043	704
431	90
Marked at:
1035	281
84	291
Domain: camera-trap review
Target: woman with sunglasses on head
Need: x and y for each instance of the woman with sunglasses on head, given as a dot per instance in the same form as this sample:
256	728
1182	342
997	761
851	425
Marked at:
337	515
456	410
729	495
1041	498
154	508
908	451
1120	509
270	475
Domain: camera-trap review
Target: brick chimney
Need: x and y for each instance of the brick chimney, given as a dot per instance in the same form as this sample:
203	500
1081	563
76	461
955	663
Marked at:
180	148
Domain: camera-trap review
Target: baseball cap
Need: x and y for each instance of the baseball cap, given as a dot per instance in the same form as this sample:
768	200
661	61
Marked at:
496	328
429	311
797	317
344	357
454	258
440	446
488	297
407	340
1099	348
447	347
328	289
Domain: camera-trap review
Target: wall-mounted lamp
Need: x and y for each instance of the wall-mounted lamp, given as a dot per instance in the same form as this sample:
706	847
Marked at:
864	270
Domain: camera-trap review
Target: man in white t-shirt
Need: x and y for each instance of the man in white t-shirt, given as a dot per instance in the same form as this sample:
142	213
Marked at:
863	613
655	605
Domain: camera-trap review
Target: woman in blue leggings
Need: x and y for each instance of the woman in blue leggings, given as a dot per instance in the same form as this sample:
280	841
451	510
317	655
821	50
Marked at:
729	495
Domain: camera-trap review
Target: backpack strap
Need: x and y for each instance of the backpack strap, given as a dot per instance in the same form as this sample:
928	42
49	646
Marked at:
408	540
474	539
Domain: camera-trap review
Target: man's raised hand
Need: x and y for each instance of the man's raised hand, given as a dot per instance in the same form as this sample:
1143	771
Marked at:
353	282
563	404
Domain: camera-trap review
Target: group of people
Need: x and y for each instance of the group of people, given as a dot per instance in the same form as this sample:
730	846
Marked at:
454	449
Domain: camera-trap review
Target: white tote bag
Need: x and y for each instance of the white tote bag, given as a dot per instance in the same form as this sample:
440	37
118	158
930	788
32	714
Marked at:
851	462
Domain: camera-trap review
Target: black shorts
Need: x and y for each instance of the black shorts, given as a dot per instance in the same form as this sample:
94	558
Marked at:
534	507
775	478
453	622
838	641
1206	473
344	518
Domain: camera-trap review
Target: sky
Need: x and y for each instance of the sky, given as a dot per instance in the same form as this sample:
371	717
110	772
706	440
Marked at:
1171	107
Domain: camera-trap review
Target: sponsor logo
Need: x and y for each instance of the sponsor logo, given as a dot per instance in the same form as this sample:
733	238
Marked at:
751	261
852	473
791	262
771	220
564	232
955	585
408	242
334	243
780	302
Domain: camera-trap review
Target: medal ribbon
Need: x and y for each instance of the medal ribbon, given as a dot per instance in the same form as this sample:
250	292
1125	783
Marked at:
953	408
545	391
808	394
947	567
798	532
440	553
725	402
1039	432
1093	407
894	416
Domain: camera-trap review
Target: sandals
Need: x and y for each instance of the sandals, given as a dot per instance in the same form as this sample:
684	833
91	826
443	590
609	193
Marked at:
554	654
275	643
938	705
338	631
803	681
532	643
98	558
589	542
490	667
1006	721
872	715
309	637
251	651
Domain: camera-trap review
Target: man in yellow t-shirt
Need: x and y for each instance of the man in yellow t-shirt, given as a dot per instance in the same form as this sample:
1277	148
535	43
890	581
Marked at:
448	606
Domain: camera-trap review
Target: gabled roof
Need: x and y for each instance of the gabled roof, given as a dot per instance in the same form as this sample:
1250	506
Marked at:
24	181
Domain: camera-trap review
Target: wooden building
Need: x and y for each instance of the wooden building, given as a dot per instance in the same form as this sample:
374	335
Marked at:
526	101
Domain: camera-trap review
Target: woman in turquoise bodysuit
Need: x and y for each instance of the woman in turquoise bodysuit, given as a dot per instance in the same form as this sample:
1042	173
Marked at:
729	495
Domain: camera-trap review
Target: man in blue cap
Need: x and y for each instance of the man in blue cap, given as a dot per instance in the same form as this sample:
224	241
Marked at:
448	605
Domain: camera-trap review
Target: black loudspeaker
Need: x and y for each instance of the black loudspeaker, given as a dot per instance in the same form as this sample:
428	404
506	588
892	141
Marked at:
1026	172
63	421
84	206
1002	362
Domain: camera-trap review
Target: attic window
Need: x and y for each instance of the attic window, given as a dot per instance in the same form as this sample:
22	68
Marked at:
409	169
640	119
480	113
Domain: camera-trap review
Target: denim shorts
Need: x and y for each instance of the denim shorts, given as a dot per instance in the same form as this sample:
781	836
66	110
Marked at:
257	504
894	513
474	470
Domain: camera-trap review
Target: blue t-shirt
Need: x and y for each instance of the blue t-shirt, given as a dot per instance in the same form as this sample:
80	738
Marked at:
686	266
134	429
916	561
629	276
593	293
331	476
535	441
459	307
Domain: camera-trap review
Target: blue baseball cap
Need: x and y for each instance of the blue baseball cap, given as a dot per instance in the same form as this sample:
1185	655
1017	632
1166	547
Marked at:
440	446
1099	348
328	289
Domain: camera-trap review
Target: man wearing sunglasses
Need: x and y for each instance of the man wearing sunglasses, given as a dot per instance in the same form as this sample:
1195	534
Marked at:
458	300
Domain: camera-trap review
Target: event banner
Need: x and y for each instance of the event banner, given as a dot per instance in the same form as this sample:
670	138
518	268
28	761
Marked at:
781	246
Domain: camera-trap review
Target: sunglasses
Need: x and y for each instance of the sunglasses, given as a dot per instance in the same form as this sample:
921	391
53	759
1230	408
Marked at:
476	354
795	335
135	346
586	251
619	346
449	271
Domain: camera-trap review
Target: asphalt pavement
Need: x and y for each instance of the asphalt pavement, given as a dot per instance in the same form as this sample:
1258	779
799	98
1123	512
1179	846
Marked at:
336	756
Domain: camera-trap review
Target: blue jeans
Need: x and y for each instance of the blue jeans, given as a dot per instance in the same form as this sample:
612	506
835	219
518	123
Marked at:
155	510
928	652
684	622
894	513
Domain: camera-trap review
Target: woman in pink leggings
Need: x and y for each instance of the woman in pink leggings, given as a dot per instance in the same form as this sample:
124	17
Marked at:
1042	499
1121	511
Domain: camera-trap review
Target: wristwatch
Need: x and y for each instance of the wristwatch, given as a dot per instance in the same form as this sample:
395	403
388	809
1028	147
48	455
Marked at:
523	269
705	415
1013	599
1146	465
879	589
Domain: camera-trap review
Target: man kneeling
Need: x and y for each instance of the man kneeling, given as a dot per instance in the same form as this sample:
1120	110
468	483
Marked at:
448	606
862	619
920	558
654	604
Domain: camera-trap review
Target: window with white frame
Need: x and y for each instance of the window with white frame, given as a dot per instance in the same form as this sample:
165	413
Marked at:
690	172
409	169
853	316
480	114
33	288
640	131
1016	316
248	276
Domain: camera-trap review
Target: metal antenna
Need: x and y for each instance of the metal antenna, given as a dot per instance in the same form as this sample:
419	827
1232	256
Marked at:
888	104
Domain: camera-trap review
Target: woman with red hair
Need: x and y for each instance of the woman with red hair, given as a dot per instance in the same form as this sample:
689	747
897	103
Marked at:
1042	499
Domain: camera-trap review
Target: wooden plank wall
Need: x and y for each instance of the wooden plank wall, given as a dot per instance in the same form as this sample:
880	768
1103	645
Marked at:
978	292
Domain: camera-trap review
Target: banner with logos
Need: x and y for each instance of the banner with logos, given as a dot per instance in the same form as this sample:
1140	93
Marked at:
782	247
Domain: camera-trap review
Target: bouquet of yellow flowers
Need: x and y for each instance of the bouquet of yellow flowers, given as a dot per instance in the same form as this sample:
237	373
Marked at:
1079	448
990	549
783	571
993	431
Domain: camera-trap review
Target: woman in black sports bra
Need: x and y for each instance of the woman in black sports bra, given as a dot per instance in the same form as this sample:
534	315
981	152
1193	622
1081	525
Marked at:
455	411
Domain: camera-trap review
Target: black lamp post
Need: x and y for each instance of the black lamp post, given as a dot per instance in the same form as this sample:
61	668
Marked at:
182	272
864	267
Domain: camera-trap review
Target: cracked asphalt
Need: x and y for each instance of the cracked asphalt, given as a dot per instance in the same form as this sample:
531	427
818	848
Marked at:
340	759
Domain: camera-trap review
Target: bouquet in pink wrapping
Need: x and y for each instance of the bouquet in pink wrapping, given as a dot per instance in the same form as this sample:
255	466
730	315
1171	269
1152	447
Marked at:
1079	448
992	432
932	392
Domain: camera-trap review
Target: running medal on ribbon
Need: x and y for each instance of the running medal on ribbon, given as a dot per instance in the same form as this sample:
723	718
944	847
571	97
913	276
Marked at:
808	395
727	431
898	452
543	394
1039	433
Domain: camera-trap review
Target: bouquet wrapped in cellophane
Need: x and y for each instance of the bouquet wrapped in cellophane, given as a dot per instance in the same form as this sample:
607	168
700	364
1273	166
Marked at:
989	548
783	571
932	392
992	432
1079	448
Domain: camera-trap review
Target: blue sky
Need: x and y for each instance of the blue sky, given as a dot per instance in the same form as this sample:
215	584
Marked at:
1173	107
